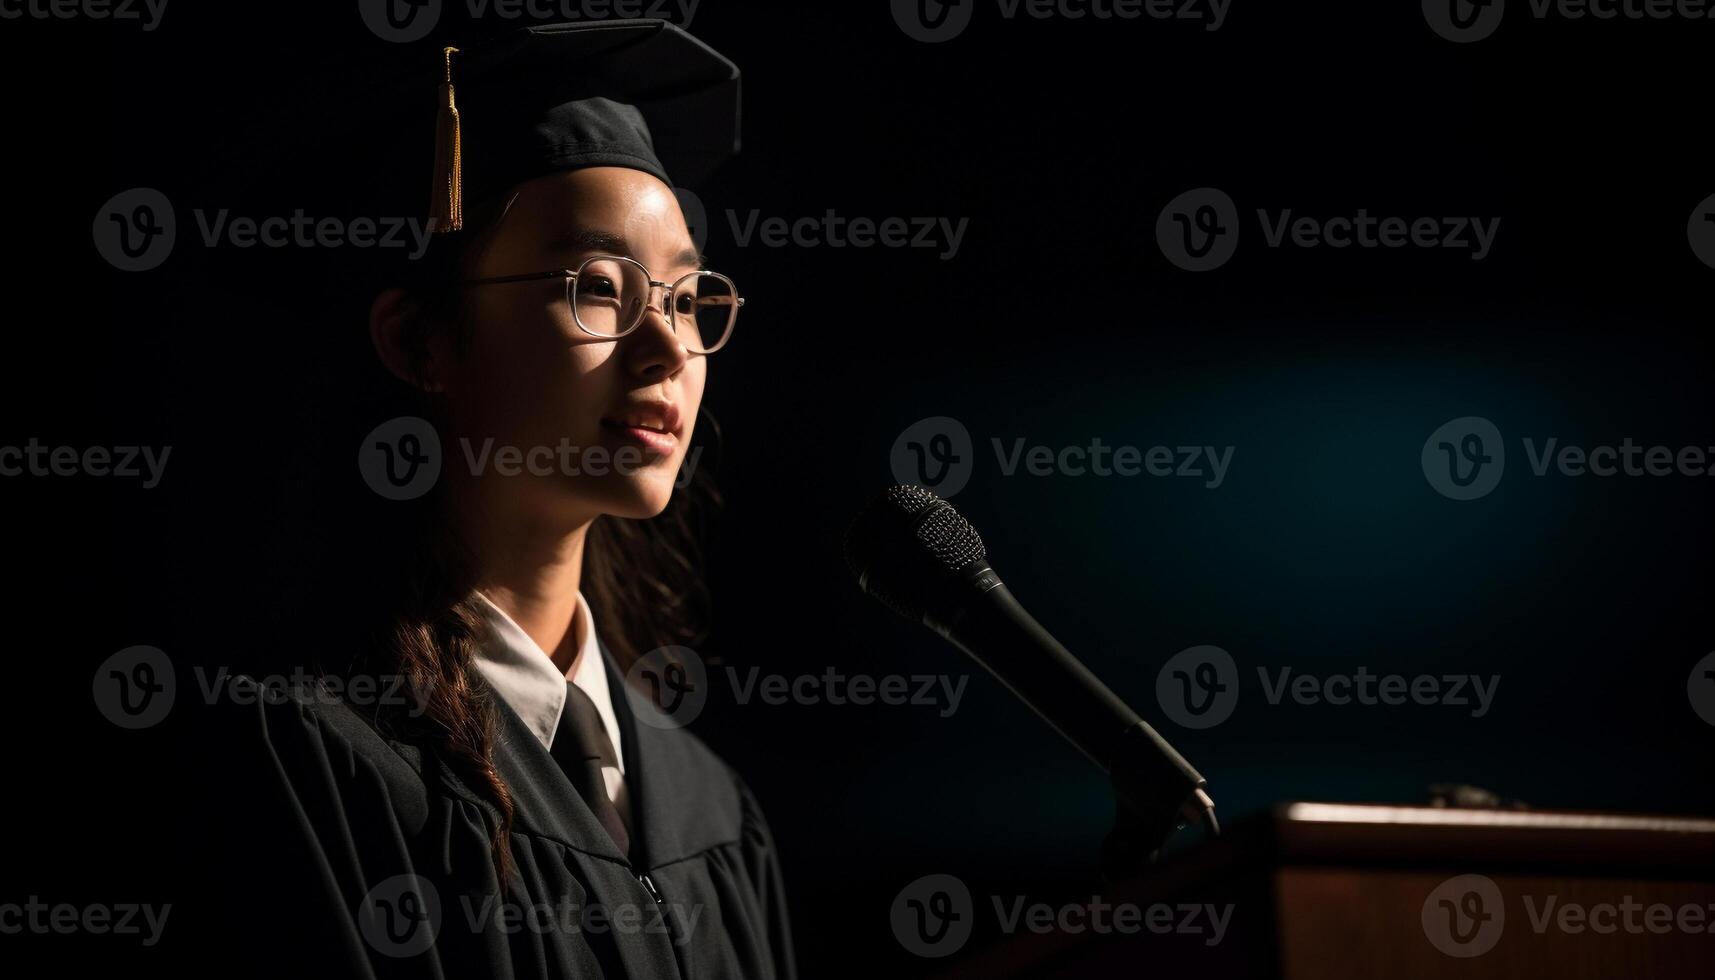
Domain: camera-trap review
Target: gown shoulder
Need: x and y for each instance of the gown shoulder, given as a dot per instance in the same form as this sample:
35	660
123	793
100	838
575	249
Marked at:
355	819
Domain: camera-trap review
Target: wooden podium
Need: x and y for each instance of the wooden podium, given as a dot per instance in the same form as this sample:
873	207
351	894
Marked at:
1345	891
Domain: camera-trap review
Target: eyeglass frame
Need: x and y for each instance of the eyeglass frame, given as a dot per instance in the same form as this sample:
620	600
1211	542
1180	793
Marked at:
571	278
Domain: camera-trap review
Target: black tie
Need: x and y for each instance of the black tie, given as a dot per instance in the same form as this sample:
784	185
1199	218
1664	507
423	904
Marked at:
582	749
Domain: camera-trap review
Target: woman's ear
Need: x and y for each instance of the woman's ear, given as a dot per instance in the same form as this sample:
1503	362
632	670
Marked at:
389	318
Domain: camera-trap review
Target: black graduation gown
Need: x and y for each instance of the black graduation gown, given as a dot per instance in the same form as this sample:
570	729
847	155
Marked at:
374	839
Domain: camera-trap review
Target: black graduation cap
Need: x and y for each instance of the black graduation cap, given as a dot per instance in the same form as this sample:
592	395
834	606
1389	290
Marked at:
563	96
388	140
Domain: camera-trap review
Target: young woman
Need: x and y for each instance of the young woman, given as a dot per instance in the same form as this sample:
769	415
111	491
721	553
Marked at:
523	811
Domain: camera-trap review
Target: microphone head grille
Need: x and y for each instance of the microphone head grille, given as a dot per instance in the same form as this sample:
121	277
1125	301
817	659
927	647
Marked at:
950	538
911	550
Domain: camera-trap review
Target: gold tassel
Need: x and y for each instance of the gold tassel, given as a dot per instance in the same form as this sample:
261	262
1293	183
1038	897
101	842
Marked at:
446	203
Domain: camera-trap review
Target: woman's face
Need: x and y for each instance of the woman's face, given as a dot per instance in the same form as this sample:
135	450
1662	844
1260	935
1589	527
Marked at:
599	426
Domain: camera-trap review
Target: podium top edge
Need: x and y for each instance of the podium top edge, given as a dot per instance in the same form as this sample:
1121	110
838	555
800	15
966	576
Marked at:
1423	816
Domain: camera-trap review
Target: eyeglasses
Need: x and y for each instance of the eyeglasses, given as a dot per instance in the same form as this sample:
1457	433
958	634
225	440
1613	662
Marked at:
608	295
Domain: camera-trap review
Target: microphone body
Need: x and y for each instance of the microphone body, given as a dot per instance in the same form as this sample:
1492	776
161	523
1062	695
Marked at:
913	552
999	634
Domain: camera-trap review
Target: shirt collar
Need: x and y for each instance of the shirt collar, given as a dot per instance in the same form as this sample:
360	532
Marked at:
524	676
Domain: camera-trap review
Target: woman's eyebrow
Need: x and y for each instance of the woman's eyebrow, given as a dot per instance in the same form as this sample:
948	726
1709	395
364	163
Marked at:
601	241
585	240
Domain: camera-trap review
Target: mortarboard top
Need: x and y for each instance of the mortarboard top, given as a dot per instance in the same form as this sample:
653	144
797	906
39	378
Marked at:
356	140
363	138
632	93
595	93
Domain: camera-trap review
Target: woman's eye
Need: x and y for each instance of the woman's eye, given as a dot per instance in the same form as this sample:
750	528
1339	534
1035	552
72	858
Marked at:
685	303
601	286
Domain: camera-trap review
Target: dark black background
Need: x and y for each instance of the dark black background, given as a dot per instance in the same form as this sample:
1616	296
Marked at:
1058	321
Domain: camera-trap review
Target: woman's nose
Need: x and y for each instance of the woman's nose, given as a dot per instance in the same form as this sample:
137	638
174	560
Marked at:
653	350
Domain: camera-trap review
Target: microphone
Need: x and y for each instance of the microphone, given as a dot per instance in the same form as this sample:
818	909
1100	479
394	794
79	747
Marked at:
914	553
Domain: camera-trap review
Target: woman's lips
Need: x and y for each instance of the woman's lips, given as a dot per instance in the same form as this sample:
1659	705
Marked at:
651	440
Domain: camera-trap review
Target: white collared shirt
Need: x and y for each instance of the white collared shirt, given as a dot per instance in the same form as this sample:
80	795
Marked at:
524	676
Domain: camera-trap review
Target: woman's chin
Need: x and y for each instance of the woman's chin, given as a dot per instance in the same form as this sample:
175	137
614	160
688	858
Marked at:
638	497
